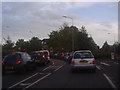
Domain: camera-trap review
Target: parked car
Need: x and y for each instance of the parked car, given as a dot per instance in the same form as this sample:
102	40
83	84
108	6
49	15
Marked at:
83	59
18	61
41	57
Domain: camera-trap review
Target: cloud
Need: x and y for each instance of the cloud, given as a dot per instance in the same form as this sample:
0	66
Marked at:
19	18
100	32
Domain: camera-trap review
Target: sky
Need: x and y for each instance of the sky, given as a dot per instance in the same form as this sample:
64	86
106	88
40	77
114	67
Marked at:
23	20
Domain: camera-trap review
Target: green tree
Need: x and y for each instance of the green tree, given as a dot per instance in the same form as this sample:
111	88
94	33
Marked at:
8	46
22	45
61	40
35	44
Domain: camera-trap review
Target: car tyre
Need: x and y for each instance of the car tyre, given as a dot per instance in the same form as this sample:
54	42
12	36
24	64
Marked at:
23	70
94	70
3	72
73	70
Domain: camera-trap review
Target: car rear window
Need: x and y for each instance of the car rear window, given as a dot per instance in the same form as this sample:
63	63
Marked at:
78	55
12	58
43	53
35	54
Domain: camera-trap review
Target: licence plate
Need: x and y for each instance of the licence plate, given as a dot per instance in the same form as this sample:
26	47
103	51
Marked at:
37	61
83	61
9	67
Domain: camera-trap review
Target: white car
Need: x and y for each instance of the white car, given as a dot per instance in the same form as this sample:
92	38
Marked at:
83	59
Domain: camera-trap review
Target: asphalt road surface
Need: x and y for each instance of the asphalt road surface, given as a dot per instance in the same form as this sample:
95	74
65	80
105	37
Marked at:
58	75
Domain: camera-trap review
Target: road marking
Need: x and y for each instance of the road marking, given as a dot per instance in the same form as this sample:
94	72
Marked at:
109	81
46	68
105	64
24	84
37	81
22	81
58	68
98	67
43	73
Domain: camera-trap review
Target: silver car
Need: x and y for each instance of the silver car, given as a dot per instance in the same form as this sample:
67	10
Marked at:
83	59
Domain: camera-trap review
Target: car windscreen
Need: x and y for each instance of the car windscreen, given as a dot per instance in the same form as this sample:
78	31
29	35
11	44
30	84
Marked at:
12	58
78	55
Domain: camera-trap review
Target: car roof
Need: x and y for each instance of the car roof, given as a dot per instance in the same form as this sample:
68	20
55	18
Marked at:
20	52
44	51
83	51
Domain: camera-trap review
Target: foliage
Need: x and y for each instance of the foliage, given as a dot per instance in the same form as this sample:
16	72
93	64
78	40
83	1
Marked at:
62	40
8	46
35	44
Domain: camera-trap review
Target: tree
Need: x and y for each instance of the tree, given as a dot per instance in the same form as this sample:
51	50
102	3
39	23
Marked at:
22	45
35	44
61	40
8	46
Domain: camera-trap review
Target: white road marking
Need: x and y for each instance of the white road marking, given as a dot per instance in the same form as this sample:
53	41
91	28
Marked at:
24	84
37	81
98	67
43	73
22	81
58	68
109	81
105	64
46	68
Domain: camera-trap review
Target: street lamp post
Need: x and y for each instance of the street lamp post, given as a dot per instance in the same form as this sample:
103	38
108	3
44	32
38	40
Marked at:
72	32
113	47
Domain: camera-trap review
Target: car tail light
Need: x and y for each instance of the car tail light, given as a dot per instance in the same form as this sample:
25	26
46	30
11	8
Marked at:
94	61
43	56
18	62
2	62
73	61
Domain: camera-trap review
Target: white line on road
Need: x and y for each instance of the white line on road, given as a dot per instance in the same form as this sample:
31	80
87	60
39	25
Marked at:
46	68
43	73
98	68
109	81
37	81
22	81
58	68
105	64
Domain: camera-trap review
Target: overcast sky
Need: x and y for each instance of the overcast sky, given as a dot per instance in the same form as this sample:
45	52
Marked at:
23	20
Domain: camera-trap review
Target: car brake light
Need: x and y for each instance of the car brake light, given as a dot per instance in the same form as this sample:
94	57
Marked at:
2	62
73	61
43	56
94	61
18	62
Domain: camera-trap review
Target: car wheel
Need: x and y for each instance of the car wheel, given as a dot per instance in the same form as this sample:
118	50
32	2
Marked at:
23	70
45	63
35	67
94	70
73	70
3	72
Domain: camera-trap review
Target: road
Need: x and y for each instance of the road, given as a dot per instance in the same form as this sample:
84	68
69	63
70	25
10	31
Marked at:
58	75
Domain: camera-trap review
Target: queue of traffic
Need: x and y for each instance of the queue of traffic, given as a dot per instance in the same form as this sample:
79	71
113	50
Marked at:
22	61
